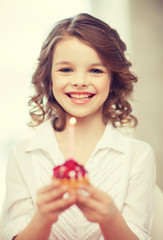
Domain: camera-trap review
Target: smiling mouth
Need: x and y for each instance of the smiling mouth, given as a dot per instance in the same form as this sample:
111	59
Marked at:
80	96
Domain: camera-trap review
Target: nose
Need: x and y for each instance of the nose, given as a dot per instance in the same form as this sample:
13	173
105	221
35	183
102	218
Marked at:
79	80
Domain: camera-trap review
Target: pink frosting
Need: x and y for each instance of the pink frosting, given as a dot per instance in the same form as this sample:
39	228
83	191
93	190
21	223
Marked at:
70	170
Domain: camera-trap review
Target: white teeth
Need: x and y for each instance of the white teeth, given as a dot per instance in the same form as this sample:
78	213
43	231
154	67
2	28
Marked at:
80	96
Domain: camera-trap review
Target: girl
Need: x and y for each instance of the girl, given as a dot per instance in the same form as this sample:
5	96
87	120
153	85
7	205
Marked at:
83	72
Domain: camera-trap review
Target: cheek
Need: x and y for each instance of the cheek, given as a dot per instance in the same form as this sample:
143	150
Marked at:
58	86
104	86
56	83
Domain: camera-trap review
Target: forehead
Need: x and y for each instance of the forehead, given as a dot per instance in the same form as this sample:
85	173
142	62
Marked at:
72	48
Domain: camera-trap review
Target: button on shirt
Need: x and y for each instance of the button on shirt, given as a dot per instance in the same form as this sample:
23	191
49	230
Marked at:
121	166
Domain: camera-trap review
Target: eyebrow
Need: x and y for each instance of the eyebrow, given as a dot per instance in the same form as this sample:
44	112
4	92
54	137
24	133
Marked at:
98	64
92	65
62	62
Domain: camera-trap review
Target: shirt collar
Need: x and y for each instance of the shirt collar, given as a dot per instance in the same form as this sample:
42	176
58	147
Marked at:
113	138
45	139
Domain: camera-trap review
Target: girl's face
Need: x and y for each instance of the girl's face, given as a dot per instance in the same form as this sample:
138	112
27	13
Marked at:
80	80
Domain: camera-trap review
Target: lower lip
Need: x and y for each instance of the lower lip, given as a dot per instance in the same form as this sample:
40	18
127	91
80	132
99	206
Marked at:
80	101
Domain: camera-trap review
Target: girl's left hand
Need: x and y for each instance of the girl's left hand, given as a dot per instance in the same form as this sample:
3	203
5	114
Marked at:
96	205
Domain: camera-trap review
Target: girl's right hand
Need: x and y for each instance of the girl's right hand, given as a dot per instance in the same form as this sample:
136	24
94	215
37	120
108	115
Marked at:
50	202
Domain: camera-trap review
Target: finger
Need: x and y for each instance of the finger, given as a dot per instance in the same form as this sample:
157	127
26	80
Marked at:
88	202
59	205
93	210
52	185
92	214
54	194
93	191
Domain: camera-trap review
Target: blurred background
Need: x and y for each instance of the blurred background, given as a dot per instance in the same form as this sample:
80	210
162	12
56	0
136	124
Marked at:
24	25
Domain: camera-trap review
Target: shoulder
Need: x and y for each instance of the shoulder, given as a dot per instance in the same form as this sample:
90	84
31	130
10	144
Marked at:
36	140
140	149
136	152
137	145
125	143
138	155
141	153
133	142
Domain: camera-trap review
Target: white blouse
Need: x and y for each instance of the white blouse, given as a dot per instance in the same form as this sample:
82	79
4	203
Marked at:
121	166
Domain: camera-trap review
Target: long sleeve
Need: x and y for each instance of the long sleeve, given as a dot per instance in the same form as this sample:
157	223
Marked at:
138	206
18	207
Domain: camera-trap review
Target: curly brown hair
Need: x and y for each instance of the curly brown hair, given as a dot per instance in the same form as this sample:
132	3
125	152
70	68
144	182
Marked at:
111	49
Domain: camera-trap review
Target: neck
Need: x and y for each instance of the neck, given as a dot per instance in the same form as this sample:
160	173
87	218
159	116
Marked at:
87	132
88	125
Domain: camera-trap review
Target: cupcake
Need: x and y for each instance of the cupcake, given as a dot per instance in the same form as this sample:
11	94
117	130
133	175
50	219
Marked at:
71	173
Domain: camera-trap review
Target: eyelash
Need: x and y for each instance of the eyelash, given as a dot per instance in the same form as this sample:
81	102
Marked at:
94	70
66	70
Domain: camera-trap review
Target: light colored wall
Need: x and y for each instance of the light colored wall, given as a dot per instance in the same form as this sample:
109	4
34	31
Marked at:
116	15
140	24
147	47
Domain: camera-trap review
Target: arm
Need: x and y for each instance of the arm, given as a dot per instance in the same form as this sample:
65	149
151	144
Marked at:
20	217
118	229
137	213
99	207
18	206
35	230
50	204
139	202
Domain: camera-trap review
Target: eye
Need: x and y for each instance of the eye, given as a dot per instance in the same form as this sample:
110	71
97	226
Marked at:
65	70
96	70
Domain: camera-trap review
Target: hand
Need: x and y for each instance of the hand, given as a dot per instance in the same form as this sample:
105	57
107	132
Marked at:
51	203
96	205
